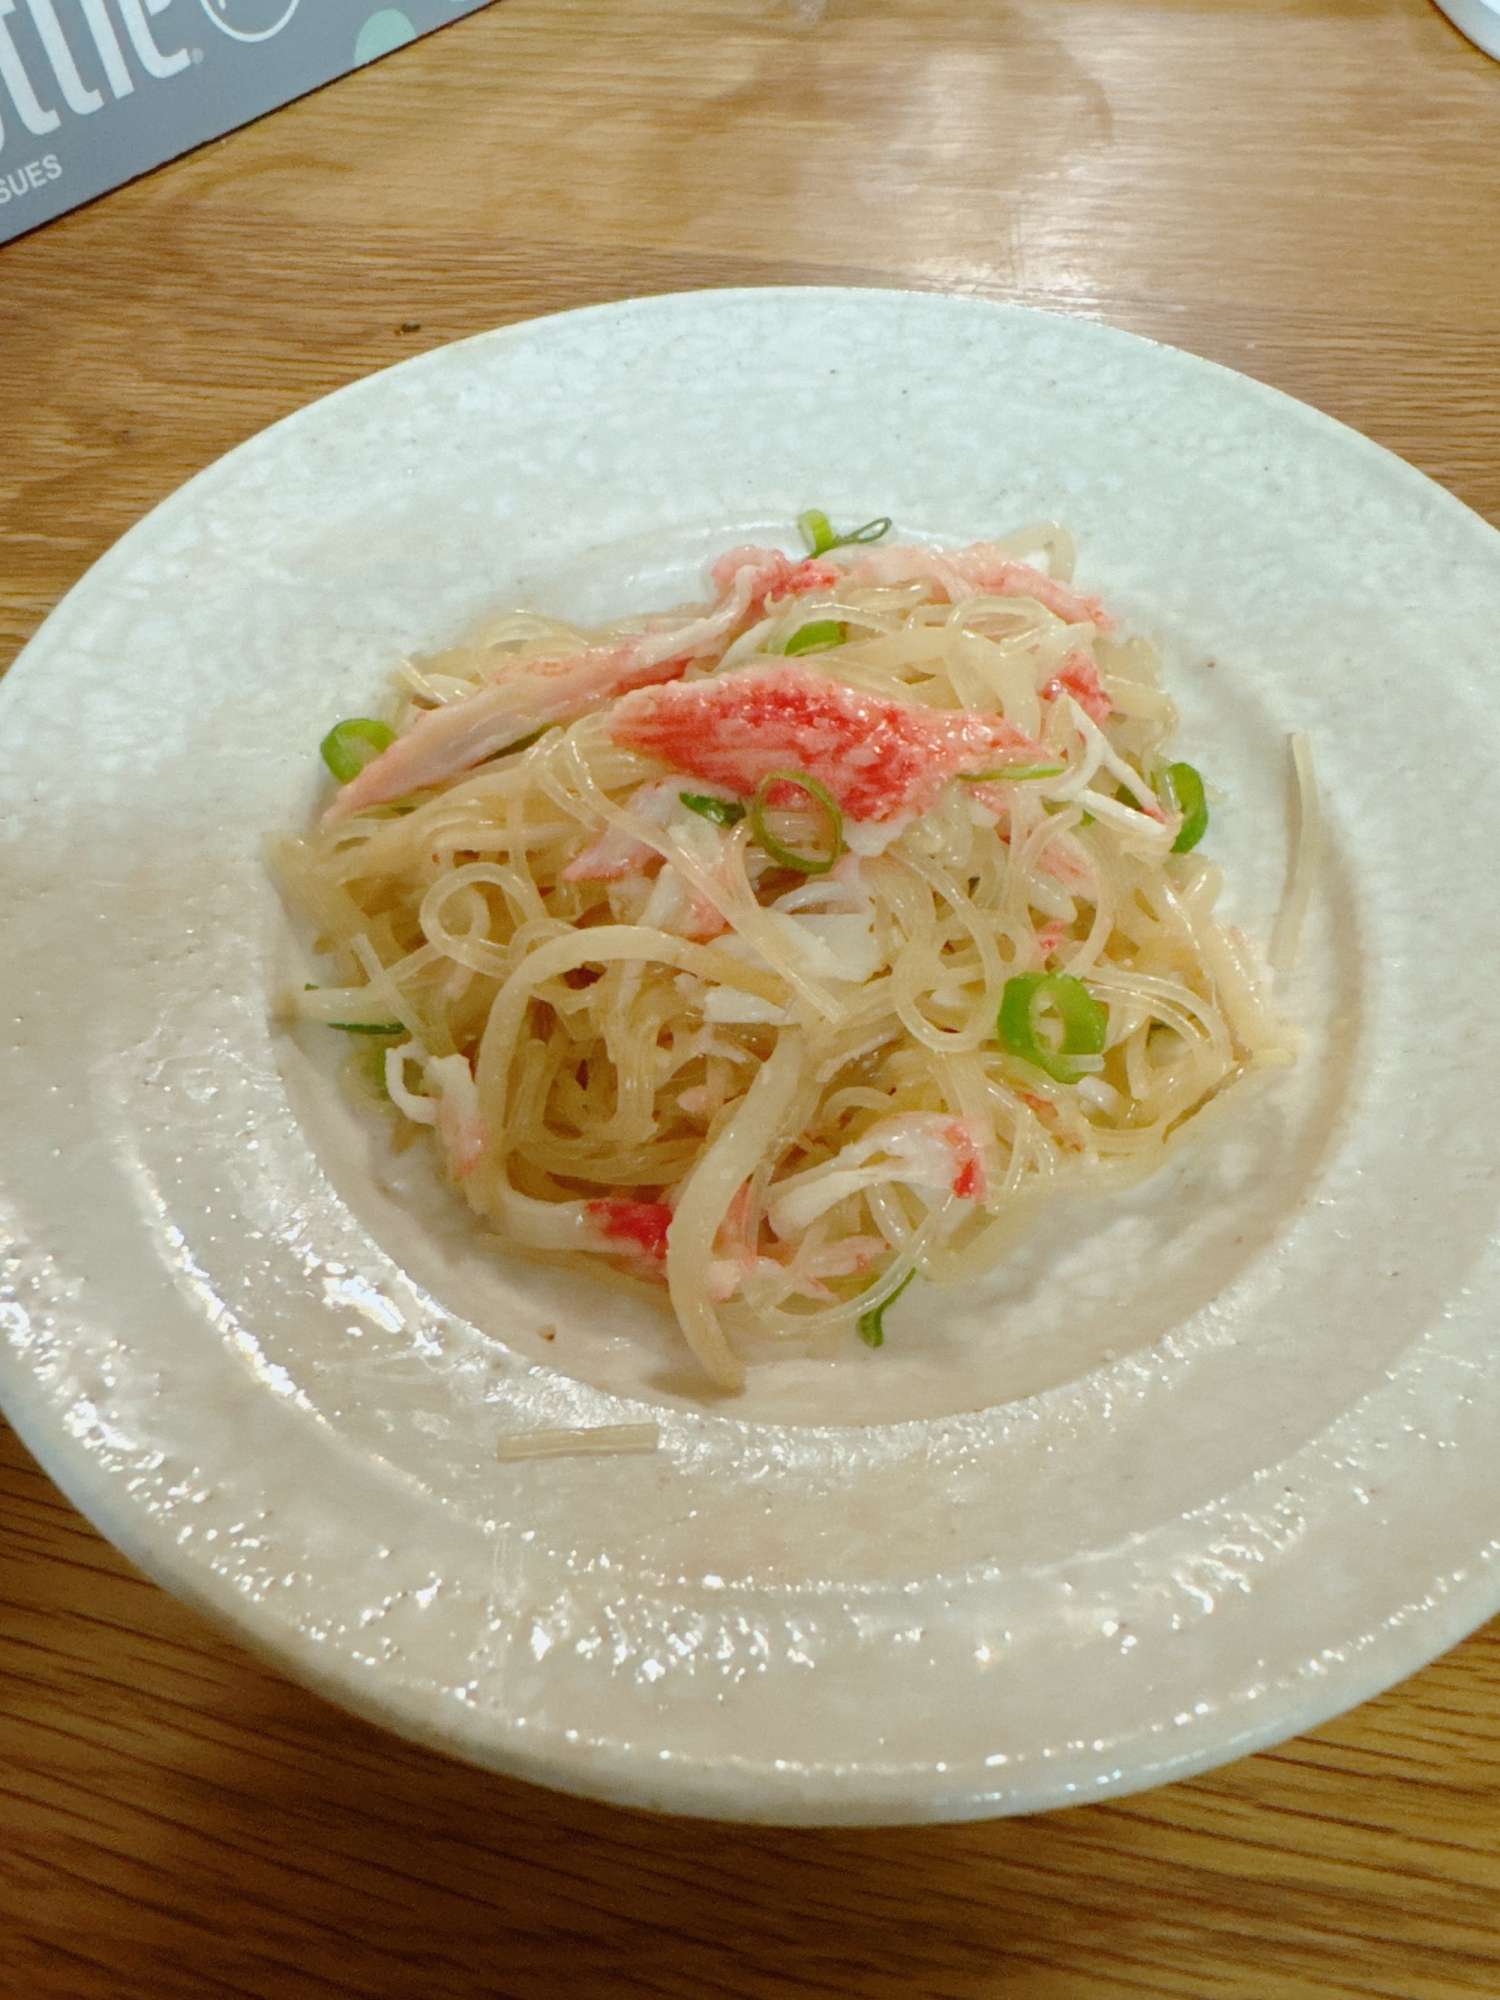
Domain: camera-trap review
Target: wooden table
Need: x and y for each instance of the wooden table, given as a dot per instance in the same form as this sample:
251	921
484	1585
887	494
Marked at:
1304	189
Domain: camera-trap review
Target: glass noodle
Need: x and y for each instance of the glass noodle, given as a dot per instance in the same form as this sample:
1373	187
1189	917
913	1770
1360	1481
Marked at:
727	1025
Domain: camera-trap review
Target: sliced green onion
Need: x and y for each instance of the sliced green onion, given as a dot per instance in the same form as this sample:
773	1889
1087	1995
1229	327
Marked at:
812	638
791	857
871	1332
1083	1020
1182	791
351	744
820	534
369	1027
723	812
1013	772
369	1066
817	530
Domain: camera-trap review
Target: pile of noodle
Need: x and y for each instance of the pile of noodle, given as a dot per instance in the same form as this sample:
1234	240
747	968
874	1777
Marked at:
614	1059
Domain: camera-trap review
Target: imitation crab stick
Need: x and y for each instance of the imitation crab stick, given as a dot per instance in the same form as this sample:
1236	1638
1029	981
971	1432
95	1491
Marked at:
527	695
878	758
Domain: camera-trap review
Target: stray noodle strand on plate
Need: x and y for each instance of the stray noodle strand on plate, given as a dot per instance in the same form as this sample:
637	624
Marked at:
779	950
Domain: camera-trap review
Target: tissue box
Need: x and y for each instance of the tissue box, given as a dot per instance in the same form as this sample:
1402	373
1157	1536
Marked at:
94	92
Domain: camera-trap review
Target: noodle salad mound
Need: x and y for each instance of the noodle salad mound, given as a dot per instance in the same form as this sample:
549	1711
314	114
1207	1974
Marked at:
778	951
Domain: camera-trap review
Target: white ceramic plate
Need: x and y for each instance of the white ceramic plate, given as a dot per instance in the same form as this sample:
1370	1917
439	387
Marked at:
1202	1466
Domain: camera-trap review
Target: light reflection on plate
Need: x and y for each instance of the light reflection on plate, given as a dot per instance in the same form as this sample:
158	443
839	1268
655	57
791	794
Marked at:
1200	1466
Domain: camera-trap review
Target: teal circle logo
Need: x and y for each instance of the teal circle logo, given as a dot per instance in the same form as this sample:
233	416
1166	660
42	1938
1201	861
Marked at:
384	31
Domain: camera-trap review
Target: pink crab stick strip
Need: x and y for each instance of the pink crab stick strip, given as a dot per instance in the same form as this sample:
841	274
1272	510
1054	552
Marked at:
528	695
616	854
982	569
1079	677
776	575
878	758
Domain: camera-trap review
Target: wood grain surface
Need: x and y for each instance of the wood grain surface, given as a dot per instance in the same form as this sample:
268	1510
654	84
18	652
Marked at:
1306	190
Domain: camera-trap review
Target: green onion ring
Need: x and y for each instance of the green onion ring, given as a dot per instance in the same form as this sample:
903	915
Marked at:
1085	1022
723	812
821	535
788	857
871	1332
353	743
813	638
1013	773
1182	791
